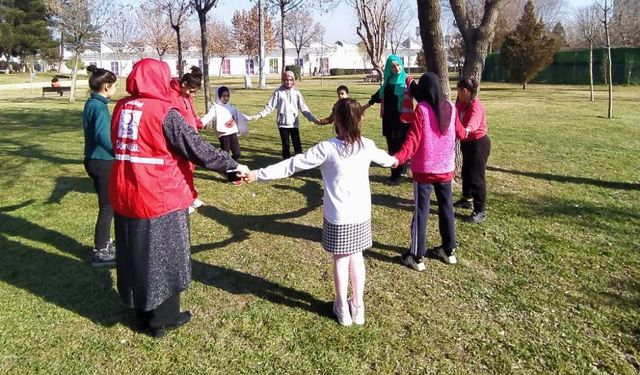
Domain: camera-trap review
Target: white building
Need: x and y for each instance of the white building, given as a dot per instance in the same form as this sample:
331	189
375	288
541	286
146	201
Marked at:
315	58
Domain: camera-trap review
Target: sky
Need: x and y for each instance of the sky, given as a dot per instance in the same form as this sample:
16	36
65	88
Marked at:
339	23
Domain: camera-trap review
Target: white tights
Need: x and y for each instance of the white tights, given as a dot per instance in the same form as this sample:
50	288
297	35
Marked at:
343	267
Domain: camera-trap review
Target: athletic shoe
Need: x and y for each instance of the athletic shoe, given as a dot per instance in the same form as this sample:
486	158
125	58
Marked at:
191	210
197	203
464	203
357	313
343	315
411	261
449	259
476	217
104	257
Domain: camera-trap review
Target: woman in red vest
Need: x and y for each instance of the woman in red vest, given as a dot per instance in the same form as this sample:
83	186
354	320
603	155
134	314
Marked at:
150	194
183	91
396	109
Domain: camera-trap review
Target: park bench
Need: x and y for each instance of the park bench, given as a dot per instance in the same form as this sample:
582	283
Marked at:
60	90
372	77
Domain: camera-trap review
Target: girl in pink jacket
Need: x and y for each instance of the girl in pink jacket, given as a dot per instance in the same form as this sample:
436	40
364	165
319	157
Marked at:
430	145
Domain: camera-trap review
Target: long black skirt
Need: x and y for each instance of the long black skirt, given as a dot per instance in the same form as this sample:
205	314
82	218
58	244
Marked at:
152	258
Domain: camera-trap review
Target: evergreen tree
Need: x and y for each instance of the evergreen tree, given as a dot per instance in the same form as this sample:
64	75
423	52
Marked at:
24	29
528	49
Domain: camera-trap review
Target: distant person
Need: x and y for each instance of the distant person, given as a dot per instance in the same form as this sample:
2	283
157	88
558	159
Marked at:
288	102
396	109
343	93
230	123
150	195
346	230
475	147
55	82
431	145
98	158
183	91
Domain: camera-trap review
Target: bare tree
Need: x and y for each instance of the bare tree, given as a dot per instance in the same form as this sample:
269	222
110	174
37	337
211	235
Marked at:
588	25
81	20
372	28
625	23
153	29
261	50
302	30
398	21
120	32
222	43
477	37
202	7
284	6
177	12
604	15
433	41
246	24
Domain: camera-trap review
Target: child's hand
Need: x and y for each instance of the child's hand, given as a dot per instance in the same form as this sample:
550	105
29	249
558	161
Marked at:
395	165
249	177
253	118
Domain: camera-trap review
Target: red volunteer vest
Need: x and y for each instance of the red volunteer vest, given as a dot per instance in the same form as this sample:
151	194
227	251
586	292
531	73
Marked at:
147	180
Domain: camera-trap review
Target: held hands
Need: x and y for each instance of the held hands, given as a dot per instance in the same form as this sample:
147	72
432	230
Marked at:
253	118
395	165
249	177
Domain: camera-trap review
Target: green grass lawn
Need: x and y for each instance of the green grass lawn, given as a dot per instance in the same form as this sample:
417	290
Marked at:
549	283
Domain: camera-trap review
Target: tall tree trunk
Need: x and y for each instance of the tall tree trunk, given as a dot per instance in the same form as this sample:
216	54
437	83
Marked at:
609	75
261	54
477	40
433	41
179	66
61	51
282	35
74	77
591	71
202	16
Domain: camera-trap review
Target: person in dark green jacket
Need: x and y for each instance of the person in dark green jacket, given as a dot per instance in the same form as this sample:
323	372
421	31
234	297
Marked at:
98	157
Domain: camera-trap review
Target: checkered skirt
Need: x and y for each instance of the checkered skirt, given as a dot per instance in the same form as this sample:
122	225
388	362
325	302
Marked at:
345	239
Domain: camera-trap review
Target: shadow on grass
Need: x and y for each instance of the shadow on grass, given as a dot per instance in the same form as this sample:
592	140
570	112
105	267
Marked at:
65	185
66	281
241	225
237	282
569	179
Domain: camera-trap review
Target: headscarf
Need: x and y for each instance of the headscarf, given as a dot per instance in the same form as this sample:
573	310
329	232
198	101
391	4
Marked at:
224	112
149	78
390	78
289	73
429	91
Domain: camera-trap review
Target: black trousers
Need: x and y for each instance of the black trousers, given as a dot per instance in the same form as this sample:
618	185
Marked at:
99	171
395	138
231	144
474	165
294	133
164	315
446	221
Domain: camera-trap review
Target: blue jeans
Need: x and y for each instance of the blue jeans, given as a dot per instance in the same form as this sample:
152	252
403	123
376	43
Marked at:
446	223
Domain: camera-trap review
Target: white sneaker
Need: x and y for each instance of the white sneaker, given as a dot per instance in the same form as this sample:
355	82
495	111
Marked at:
449	259
410	261
191	210
343	315
357	313
197	203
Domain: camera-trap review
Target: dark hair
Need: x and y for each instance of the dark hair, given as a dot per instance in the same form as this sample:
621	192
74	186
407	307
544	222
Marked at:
54	79
193	79
100	77
342	88
429	91
222	89
349	116
470	84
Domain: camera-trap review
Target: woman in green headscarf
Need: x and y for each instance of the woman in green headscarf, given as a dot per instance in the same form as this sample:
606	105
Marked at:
396	109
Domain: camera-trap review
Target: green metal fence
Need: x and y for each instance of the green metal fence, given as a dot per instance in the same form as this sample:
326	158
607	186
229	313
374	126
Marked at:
572	67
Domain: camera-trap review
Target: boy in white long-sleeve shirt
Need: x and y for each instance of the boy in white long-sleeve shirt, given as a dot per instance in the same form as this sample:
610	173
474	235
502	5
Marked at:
289	103
346	231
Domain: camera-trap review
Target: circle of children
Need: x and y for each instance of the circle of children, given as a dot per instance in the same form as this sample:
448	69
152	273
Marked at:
142	161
